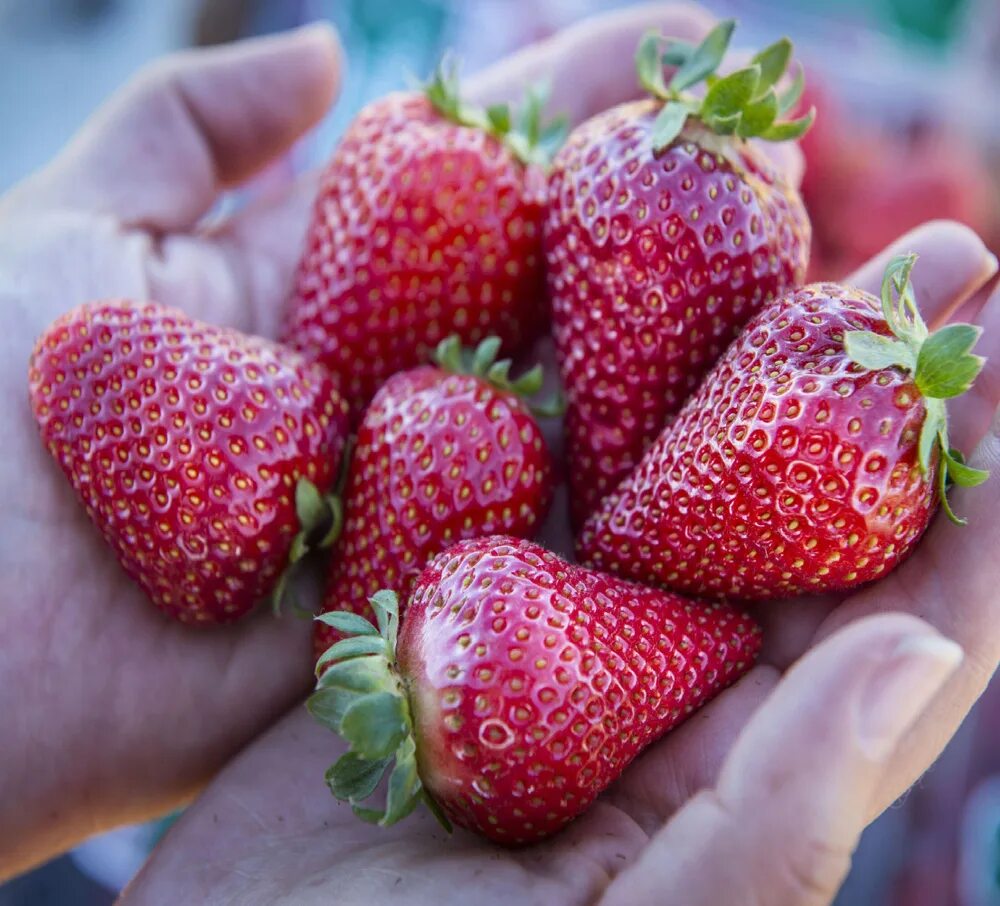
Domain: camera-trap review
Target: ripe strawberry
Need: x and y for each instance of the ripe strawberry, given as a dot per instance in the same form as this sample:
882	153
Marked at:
190	446
521	687
441	455
666	231
428	222
809	458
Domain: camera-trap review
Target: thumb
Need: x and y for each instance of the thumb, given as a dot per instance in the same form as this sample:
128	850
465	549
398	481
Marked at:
794	793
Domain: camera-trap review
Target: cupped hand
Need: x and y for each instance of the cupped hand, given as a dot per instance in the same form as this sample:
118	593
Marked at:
109	712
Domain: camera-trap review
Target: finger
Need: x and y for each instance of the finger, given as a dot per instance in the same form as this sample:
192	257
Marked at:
238	273
953	264
951	582
590	66
793	795
159	152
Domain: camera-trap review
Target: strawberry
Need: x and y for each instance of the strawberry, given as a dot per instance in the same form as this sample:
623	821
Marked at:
520	688
428	222
810	458
190	447
441	455
666	231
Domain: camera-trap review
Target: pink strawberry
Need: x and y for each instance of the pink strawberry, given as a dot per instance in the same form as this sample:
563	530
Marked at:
190	446
428	223
443	453
810	458
520	688
667	230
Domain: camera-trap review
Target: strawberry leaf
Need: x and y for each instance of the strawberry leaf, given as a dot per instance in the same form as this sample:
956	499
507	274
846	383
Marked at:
529	383
404	785
499	118
371	815
790	129
348	623
310	507
724	125
336	508
385	603
353	779
875	352
363	674
648	65
355	646
945	367
485	355
773	60
375	724
677	52
758	115
729	95
705	58
965	476
329	705
935	422
553	407
668	124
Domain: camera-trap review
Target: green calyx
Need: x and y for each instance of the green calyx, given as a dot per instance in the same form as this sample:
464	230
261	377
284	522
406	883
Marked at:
745	103
482	362
360	696
942	366
525	132
321	520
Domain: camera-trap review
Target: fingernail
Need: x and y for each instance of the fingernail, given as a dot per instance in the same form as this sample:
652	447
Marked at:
901	689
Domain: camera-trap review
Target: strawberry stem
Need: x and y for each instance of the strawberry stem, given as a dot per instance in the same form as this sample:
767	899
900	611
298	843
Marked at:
360	696
942	366
744	103
482	363
525	133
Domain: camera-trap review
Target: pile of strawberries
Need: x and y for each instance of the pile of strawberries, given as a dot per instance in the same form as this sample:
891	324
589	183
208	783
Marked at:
731	434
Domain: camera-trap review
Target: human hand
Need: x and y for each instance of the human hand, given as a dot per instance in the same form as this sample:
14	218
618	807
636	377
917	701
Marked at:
760	797
108	712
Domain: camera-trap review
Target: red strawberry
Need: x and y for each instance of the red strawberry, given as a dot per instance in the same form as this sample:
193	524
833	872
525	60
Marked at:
521	687
440	456
809	458
428	223
189	445
666	231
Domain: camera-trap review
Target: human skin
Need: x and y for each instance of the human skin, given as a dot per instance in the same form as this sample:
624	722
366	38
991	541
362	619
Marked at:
109	713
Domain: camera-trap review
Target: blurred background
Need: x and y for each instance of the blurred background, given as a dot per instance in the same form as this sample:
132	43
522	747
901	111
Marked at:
908	94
